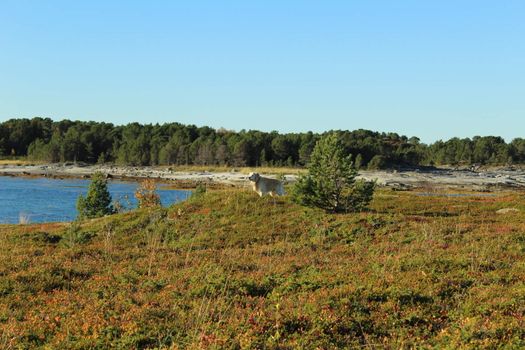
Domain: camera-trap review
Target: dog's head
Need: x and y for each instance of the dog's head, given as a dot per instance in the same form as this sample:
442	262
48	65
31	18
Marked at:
254	177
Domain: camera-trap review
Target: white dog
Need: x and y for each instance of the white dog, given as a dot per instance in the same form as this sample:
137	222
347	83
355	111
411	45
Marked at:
264	185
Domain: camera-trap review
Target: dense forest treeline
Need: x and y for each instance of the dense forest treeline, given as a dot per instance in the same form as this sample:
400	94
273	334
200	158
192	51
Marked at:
43	139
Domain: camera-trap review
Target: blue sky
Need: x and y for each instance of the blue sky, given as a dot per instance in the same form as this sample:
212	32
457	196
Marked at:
434	69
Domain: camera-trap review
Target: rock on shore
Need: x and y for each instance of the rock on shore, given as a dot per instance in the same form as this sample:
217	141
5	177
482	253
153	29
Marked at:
400	180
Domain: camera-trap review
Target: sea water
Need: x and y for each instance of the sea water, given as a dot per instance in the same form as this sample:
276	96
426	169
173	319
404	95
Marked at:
51	200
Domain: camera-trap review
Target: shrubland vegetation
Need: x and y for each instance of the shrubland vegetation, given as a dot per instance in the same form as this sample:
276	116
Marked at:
97	201
146	194
176	144
227	269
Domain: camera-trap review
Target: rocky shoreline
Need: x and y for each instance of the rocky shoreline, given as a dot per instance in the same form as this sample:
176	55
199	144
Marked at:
482	181
189	179
485	180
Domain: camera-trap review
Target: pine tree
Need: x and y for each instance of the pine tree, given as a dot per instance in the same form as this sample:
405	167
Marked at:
331	180
97	201
358	161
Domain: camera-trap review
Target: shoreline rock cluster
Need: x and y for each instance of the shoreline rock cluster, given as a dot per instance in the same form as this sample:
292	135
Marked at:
486	180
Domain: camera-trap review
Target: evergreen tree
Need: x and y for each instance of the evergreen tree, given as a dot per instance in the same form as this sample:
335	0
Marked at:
222	154
174	143
330	183
377	162
97	201
358	161
241	153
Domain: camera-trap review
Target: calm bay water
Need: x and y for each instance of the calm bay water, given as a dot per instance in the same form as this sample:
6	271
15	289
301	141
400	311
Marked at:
47	200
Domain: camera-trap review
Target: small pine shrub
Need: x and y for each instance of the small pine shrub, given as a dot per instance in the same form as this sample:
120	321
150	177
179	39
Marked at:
74	235
97	202
199	191
331	180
